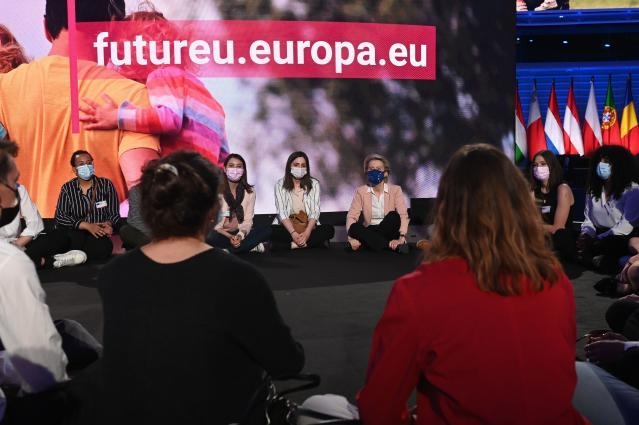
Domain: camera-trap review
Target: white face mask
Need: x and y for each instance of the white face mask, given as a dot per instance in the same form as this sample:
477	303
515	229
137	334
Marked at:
541	172
234	174
298	172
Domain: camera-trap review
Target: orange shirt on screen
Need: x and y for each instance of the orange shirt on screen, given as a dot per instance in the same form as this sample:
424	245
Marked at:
35	107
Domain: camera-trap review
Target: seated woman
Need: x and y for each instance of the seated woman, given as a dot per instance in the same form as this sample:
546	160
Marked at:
189	331
86	216
14	232
496	359
384	209
297	200
555	200
235	231
612	209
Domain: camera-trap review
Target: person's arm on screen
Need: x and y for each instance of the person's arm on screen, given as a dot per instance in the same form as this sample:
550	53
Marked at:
132	161
165	88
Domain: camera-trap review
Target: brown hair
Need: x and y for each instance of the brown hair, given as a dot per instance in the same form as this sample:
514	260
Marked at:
484	214
11	52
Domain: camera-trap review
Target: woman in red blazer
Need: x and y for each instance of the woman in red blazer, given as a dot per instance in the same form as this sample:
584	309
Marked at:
484	330
384	209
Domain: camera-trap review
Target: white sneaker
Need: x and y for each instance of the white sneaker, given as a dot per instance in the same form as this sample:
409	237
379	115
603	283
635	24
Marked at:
520	6
71	258
259	248
547	4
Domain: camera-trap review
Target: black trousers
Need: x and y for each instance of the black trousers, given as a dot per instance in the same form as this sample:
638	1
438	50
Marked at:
281	239
132	237
62	240
376	238
563	241
623	317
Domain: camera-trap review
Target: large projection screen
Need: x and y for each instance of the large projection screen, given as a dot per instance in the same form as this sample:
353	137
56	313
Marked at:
416	122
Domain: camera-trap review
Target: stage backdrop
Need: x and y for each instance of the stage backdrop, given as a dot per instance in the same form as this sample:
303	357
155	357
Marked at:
417	122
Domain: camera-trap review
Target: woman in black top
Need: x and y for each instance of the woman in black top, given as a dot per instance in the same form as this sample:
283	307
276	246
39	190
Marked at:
188	329
555	200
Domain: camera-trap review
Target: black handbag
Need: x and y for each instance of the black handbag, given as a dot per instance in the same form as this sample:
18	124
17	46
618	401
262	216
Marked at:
279	410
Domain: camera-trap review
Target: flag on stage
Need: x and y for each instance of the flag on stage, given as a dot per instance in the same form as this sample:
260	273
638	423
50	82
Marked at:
552	128
592	128
573	142
535	130
629	128
609	124
521	148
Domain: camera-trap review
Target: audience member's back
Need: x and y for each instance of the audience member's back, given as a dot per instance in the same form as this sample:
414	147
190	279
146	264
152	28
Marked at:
188	330
485	329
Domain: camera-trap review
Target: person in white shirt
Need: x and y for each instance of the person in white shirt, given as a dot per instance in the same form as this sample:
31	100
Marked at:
14	232
31	359
611	214
297	200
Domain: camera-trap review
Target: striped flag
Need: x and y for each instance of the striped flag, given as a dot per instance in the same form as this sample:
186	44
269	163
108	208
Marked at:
609	122
629	128
535	129
521	147
552	128
573	142
592	128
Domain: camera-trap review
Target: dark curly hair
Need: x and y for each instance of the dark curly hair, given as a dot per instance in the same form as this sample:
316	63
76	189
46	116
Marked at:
623	166
177	194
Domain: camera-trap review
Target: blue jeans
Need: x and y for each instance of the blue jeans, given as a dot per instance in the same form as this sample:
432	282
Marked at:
250	241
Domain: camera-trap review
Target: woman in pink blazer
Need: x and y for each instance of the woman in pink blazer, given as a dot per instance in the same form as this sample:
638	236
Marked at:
384	209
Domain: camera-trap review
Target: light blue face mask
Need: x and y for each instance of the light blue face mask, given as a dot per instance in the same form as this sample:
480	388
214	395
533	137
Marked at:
604	170
85	172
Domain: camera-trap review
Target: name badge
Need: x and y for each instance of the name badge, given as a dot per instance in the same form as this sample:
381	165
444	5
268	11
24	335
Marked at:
101	204
545	209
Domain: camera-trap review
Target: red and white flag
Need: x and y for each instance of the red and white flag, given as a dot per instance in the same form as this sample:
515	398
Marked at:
592	126
573	142
535	129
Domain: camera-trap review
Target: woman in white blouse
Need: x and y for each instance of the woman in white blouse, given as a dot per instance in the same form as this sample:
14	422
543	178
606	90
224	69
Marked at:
297	199
611	214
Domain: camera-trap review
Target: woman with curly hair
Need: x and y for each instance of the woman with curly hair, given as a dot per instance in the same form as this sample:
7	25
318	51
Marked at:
612	209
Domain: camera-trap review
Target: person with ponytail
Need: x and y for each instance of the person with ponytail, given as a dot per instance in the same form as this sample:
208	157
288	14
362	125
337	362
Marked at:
189	331
384	209
234	231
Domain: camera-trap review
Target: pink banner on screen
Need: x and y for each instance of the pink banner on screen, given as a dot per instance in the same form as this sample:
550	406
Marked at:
278	49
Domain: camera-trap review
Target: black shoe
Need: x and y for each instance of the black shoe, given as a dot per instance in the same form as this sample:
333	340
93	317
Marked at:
607	286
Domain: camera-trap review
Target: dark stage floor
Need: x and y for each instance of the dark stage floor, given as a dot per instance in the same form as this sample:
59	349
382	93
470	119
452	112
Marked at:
330	298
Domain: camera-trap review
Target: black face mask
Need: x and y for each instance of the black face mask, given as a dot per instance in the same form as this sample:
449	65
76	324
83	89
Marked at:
7	215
